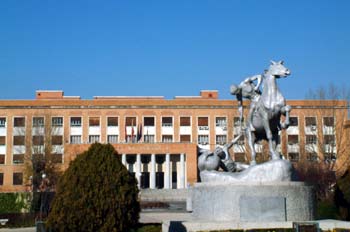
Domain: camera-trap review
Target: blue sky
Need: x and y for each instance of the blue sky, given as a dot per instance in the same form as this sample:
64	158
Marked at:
169	48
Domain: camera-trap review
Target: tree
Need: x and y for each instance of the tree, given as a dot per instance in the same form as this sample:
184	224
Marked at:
96	193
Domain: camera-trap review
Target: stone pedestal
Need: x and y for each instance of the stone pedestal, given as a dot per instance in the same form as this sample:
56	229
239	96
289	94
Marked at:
253	201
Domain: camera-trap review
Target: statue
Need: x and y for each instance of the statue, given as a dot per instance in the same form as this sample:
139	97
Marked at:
220	158
265	109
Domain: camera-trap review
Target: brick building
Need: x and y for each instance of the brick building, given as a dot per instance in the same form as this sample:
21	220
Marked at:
156	138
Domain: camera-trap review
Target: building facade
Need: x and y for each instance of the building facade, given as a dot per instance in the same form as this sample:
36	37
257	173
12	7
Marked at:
157	139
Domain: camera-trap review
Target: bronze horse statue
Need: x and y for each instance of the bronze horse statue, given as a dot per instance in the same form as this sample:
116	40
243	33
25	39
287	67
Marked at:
265	120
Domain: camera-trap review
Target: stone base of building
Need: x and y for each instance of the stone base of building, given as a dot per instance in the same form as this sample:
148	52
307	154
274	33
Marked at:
253	202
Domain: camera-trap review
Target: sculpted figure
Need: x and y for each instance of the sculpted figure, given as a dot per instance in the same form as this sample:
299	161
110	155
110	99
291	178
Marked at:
266	109
220	158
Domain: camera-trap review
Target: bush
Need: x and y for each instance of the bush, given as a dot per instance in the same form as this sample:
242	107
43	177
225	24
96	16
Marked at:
13	202
96	193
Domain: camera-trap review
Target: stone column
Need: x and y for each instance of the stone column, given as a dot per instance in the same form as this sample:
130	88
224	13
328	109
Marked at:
124	159
167	172
138	170
182	171
152	183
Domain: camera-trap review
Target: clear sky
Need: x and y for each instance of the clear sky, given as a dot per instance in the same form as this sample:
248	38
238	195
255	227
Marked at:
169	48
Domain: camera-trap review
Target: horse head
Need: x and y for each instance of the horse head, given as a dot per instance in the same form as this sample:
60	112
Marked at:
277	69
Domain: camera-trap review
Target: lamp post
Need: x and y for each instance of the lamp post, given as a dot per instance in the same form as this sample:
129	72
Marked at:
43	189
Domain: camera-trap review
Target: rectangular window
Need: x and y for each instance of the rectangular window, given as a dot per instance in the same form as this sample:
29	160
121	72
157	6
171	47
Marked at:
240	157
130	121
312	156
329	139
1	178
311	139
2	122
57	121
167	121
38	140
203	121
94	121
2	140
112	121
148	138
310	121
18	140
293	121
185	121
75	139
293	156
185	138
38	121
94	138
293	139
112	139
75	121
57	140
2	159
167	138
330	156
203	139
57	158
236	121
18	158
19	122
328	121
148	121
220	122
221	139
17	178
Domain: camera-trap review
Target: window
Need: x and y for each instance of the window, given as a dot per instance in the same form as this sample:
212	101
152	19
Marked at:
112	121
2	140
94	138
293	121
236	121
17	178
167	121
328	121
1	178
112	138
18	158
185	121
293	156
203	122
57	158
18	140
57	140
38	121
330	156
148	138
57	121
2	122
311	139
130	121
221	139
2	159
167	138
38	140
75	121
185	138
94	121
203	139
148	121
19	122
75	139
240	157
312	156
310	121
293	139
329	139
221	122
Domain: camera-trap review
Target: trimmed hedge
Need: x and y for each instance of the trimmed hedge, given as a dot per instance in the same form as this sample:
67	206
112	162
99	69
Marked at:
14	202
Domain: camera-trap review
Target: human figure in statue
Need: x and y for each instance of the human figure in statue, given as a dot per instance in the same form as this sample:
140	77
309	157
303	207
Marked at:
247	89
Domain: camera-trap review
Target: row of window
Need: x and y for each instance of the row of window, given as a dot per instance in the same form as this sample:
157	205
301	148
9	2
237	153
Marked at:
17	178
312	139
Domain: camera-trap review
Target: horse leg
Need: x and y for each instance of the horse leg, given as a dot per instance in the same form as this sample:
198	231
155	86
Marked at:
285	111
265	121
251	141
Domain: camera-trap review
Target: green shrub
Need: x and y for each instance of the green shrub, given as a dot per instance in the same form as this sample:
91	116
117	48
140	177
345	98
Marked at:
13	202
96	193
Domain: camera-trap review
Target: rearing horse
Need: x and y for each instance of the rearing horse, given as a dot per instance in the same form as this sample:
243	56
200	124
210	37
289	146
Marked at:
265	122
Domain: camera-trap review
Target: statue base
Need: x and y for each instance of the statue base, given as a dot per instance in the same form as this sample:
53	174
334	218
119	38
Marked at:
253	201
